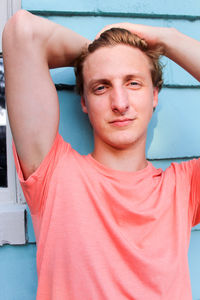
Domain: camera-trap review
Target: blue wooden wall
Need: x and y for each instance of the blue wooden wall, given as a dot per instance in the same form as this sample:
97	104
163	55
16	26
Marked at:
174	133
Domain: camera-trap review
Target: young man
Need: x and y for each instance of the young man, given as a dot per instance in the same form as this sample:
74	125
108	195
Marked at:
108	225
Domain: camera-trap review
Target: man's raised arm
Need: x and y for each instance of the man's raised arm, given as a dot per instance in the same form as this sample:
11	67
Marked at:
32	45
182	49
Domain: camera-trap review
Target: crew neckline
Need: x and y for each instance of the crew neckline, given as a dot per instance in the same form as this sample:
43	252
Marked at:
149	169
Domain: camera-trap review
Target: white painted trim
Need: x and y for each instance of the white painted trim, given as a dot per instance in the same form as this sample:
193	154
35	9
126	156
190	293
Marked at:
9	194
12	209
12	224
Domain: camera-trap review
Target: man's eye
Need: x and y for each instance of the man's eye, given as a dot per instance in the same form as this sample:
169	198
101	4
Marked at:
134	83
100	88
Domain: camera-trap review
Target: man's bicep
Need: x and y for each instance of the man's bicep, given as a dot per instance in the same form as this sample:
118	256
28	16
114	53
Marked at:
31	97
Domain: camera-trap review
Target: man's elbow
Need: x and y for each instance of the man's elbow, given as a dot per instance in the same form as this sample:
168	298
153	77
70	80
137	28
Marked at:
17	30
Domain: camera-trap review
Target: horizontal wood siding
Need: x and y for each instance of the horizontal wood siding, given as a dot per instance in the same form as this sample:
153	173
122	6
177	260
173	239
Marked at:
178	8
174	132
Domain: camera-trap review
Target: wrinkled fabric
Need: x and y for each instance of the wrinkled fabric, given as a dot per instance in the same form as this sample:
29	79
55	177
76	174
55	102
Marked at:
105	234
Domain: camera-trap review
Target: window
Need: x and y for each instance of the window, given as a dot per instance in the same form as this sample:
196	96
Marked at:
12	208
7	169
3	158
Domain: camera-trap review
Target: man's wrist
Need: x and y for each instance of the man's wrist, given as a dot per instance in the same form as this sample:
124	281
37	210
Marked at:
168	39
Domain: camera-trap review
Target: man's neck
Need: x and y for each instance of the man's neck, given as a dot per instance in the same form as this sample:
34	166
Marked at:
129	159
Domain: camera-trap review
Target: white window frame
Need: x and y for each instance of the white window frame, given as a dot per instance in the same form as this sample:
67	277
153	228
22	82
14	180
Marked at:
12	203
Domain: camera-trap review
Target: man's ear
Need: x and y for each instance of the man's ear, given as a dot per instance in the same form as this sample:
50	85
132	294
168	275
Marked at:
155	97
83	105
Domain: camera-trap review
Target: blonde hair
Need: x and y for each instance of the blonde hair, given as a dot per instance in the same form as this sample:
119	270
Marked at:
116	36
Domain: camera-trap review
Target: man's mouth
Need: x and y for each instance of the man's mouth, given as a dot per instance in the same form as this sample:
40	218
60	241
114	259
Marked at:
120	122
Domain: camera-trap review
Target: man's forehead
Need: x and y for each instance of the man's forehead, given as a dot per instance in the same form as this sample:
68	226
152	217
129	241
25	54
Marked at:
120	60
118	48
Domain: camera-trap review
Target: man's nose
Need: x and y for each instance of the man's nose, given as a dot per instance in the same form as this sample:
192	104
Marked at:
119	100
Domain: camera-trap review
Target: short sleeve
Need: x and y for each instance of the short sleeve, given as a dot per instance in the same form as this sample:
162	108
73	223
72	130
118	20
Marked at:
195	192
35	187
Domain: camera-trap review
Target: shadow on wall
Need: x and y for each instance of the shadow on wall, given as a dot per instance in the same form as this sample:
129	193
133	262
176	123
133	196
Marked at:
74	124
152	125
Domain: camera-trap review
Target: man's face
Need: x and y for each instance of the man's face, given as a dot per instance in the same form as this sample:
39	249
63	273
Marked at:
118	95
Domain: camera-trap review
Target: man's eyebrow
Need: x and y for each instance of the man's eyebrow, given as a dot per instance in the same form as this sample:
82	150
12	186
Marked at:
132	76
107	81
98	81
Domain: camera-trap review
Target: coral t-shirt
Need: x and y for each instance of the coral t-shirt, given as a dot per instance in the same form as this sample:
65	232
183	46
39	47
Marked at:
104	234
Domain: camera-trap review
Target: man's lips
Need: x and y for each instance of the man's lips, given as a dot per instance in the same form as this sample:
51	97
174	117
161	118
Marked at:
122	122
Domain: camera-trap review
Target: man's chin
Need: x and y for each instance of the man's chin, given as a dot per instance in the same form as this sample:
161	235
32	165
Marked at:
123	144
120	141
